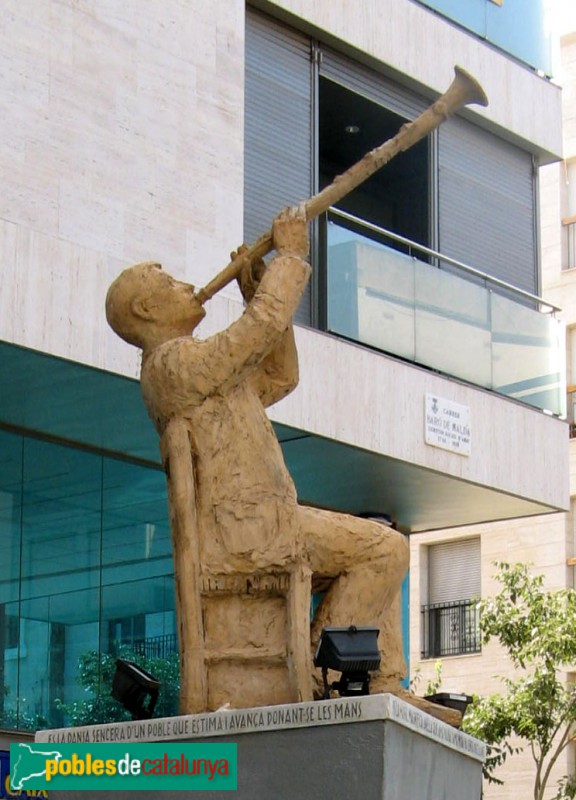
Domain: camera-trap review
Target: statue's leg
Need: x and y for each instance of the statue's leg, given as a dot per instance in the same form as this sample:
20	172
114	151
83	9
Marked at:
367	561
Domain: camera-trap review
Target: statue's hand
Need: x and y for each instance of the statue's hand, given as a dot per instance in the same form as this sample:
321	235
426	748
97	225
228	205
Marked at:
250	275
290	232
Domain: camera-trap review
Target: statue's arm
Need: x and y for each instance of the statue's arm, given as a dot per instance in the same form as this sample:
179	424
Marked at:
260	345
277	376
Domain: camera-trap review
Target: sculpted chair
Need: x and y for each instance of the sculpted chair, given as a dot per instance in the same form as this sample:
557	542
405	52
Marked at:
244	637
257	638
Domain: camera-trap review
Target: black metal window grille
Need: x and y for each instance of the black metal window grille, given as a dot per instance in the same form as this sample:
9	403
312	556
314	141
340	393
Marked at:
156	646
450	629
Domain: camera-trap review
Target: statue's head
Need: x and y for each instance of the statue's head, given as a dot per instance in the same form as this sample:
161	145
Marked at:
145	306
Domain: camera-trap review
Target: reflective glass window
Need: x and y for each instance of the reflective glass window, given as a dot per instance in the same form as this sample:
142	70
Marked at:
86	577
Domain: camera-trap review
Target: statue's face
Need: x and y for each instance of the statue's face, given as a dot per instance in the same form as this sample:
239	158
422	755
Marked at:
174	302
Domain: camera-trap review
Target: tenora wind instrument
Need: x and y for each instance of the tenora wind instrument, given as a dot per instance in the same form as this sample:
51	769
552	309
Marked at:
464	90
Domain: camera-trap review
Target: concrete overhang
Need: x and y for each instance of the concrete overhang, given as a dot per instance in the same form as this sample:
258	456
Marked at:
364	413
334	475
352	434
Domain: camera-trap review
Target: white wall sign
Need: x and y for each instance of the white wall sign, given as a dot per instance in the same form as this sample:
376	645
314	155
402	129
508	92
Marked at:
447	425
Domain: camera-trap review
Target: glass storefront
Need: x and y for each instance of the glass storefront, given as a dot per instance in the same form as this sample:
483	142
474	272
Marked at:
85	575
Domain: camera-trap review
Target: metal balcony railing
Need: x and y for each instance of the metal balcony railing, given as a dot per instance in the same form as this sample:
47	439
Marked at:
156	646
390	293
450	629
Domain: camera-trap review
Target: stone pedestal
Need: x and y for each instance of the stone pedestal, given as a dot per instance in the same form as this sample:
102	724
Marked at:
377	748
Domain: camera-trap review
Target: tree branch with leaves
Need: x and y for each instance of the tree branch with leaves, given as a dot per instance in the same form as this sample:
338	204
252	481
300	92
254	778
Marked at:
537	629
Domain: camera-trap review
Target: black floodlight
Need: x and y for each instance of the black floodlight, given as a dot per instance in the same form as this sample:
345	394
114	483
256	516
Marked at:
353	652
133	686
459	702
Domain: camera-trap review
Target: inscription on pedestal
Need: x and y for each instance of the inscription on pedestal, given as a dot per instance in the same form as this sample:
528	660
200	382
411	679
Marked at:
270	718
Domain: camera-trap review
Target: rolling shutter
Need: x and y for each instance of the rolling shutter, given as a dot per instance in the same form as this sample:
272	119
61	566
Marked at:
487	204
454	571
278	128
372	85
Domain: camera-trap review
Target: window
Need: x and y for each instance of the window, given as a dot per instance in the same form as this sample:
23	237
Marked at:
571	379
86	565
12	633
311	112
569	217
300	100
450	620
396	198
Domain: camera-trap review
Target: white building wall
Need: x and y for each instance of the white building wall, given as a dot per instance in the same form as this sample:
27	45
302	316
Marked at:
545	543
388	401
121	135
538	541
559	283
569	98
122	139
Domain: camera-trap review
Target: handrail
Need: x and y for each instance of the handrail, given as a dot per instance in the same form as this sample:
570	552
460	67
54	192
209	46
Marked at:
334	212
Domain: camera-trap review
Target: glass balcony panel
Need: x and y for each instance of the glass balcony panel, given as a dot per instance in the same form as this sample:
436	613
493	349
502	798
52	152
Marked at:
370	293
527	355
452	325
454	320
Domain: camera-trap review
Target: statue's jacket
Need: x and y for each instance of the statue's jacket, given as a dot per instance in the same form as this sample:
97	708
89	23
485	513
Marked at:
213	393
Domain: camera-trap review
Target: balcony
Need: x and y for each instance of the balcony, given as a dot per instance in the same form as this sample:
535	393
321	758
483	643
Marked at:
352	434
450	629
392	294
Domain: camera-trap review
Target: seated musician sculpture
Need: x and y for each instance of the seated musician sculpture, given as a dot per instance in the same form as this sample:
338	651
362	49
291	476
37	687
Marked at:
233	504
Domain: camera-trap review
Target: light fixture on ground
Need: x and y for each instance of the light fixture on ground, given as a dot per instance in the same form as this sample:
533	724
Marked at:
135	688
351	651
459	702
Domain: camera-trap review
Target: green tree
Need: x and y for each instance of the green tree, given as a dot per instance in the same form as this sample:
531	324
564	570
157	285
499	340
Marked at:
95	674
537	628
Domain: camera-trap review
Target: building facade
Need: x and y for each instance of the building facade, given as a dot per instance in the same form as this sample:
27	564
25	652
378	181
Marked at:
442	613
431	371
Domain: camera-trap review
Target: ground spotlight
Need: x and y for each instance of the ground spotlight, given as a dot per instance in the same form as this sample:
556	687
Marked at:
135	688
351	651
459	702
